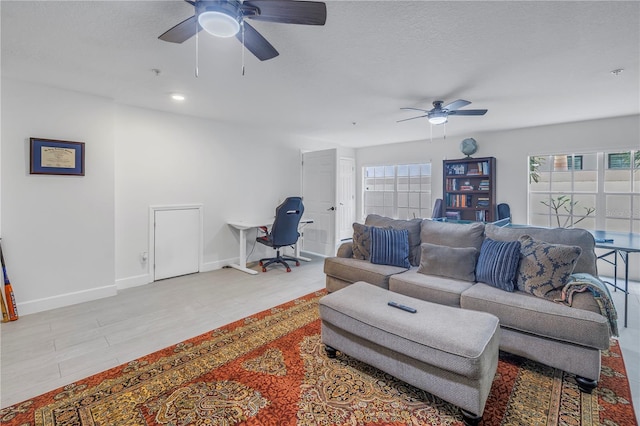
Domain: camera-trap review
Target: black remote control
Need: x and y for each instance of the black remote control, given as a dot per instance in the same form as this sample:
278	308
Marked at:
403	307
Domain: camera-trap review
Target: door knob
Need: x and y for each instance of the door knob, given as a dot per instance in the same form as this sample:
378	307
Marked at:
331	209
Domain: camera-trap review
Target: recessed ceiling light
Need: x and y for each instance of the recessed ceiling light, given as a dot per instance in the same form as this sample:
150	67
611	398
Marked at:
177	97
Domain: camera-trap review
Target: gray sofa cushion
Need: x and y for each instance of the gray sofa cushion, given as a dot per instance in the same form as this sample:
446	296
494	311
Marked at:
572	237
452	262
413	226
545	267
530	314
452	234
432	288
352	270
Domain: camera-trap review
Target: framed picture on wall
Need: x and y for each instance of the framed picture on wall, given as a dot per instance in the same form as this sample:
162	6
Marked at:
54	157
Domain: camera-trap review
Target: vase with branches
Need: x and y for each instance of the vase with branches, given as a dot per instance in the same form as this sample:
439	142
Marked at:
563	204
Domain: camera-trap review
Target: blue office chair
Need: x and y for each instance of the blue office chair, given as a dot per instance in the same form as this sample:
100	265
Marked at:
503	211
438	210
284	232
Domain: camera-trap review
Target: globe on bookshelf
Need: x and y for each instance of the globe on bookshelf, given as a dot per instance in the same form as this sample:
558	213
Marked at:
469	146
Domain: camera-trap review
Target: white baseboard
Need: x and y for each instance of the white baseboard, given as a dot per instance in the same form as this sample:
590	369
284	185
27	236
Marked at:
61	300
212	266
134	281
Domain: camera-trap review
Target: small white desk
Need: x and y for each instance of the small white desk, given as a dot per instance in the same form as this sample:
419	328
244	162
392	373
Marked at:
243	226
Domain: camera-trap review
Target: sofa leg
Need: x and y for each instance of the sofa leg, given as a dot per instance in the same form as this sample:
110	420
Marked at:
331	352
586	385
469	418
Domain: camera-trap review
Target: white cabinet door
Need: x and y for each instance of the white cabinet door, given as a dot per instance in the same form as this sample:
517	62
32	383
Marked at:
176	242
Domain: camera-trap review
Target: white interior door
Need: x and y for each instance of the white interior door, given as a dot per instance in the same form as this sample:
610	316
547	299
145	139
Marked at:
319	197
176	242
346	198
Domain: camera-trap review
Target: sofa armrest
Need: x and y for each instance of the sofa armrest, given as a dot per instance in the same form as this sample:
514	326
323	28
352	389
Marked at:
345	250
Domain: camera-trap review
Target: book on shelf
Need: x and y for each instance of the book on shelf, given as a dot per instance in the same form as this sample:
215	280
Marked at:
456	169
452	215
466	188
459	200
482	202
479	168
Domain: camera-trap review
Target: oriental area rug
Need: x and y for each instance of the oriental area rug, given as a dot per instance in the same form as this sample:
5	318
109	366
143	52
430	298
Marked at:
271	369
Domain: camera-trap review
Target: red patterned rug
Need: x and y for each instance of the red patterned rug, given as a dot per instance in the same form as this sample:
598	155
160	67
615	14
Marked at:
271	369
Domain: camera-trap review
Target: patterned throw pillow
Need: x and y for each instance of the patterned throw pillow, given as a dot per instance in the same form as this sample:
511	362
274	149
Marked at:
361	241
498	263
545	267
390	247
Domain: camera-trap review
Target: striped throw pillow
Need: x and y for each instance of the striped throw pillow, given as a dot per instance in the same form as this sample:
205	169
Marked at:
390	247
498	263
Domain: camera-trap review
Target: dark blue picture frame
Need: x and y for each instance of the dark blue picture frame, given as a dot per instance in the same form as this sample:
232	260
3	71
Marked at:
71	158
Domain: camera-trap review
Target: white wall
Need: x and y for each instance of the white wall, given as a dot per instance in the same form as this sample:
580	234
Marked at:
166	159
511	149
69	239
72	239
57	231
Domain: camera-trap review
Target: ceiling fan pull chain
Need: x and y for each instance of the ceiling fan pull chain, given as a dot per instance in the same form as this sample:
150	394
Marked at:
242	29
197	50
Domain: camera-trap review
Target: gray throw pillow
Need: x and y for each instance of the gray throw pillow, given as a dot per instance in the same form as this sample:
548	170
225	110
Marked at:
545	268
452	234
451	262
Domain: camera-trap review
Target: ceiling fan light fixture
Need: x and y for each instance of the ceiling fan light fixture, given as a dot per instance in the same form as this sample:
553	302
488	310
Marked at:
438	117
218	24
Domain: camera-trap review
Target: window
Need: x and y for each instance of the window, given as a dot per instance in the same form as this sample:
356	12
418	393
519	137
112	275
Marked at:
574	162
592	191
401	191
622	160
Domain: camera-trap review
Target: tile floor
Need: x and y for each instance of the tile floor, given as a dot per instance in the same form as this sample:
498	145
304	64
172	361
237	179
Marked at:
43	351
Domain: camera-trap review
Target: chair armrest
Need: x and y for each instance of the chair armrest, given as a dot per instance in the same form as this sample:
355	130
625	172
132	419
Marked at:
345	250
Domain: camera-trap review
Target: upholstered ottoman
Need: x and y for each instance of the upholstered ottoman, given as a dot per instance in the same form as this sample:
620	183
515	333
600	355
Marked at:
449	352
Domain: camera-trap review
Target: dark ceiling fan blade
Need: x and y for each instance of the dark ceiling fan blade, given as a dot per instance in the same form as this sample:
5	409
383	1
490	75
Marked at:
183	31
452	106
413	118
469	112
289	11
416	109
256	44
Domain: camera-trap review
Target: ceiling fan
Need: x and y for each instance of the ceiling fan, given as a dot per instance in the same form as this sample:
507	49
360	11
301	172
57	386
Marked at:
439	114
227	18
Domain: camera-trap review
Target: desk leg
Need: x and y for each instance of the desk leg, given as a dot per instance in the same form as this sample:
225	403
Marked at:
297	253
625	259
242	260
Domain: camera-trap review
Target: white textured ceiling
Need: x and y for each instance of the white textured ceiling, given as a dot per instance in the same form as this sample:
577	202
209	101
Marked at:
528	63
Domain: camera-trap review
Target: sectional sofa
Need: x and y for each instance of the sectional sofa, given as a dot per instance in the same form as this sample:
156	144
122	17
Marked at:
448	262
